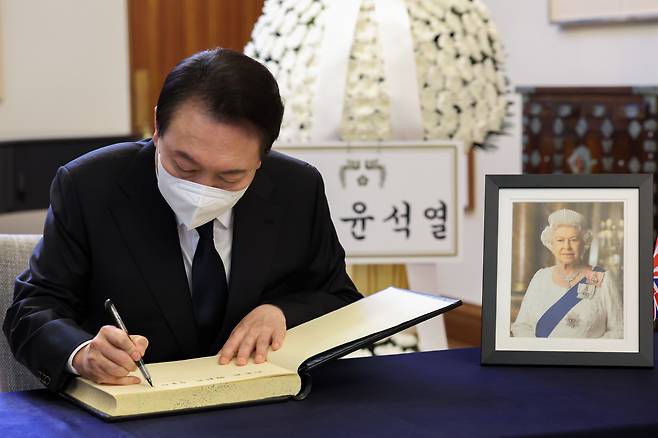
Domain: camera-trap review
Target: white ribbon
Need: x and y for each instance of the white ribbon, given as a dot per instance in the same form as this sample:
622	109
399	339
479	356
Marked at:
397	47
399	68
331	81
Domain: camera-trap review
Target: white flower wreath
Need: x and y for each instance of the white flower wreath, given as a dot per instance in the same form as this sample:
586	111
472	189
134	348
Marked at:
459	58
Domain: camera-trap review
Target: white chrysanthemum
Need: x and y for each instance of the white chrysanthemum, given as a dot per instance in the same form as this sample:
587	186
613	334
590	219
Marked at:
405	340
458	53
383	350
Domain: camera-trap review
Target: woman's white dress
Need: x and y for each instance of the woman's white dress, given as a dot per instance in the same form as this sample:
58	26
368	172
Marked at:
600	316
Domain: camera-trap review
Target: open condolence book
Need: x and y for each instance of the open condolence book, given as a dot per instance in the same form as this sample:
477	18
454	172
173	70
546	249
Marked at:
203	383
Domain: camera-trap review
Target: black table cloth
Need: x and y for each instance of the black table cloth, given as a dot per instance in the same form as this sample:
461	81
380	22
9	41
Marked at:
442	393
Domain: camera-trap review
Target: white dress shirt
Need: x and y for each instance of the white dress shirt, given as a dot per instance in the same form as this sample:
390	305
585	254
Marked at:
189	239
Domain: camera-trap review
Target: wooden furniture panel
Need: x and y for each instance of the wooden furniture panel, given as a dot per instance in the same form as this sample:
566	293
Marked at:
162	32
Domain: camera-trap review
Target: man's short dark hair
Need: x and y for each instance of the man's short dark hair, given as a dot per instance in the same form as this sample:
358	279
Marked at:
233	88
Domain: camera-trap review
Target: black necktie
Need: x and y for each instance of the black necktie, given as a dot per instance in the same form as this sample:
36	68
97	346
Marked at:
209	288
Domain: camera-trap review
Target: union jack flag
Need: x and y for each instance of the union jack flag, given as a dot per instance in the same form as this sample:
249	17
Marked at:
655	281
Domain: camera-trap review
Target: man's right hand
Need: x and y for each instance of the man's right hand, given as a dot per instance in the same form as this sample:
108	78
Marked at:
110	356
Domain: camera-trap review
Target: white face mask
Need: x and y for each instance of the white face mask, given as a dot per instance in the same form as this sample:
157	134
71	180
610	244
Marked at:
194	204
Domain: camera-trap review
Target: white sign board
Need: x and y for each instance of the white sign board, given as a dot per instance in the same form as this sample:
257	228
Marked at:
393	202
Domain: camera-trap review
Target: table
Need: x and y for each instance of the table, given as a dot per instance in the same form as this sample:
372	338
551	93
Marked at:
441	393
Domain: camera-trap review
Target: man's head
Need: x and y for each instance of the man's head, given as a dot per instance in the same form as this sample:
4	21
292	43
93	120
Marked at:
232	88
218	114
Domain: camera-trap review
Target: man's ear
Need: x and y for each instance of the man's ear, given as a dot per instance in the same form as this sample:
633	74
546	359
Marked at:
155	126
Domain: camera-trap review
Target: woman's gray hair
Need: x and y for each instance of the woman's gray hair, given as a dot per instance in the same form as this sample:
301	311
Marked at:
565	217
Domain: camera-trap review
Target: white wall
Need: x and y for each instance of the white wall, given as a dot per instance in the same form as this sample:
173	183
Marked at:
65	68
543	54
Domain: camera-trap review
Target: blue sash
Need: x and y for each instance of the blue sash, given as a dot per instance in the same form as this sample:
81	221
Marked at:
551	318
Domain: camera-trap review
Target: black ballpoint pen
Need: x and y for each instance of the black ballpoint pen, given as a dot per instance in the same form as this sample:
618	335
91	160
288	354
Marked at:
109	306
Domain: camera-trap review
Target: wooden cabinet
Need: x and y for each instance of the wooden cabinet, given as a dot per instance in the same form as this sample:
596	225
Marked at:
590	130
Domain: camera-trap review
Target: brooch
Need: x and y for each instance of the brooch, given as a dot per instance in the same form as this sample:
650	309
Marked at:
586	291
594	278
572	321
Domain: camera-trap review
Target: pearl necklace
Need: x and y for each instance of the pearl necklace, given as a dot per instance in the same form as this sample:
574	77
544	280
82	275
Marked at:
568	280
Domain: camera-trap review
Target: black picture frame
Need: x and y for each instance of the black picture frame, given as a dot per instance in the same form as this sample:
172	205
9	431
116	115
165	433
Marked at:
543	351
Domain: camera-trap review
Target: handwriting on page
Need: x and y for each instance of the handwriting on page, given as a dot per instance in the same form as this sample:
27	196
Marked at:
246	374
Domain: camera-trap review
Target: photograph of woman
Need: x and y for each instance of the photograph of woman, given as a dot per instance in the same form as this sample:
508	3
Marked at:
572	296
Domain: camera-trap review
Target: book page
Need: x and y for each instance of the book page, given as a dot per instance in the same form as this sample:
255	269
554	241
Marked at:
375	313
193	372
187	384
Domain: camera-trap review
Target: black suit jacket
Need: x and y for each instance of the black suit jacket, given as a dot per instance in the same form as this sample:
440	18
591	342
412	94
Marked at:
110	234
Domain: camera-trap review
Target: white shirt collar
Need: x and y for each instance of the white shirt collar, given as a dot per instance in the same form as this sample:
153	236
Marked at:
225	220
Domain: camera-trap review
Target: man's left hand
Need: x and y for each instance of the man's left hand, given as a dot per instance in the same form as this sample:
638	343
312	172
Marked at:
262	327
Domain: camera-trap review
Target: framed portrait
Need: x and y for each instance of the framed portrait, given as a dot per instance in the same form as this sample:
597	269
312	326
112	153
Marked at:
568	270
568	12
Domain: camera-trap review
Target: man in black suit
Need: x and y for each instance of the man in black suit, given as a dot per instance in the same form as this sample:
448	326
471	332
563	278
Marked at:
202	237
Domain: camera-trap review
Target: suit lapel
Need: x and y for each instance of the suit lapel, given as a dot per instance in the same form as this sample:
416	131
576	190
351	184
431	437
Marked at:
149	228
254	234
